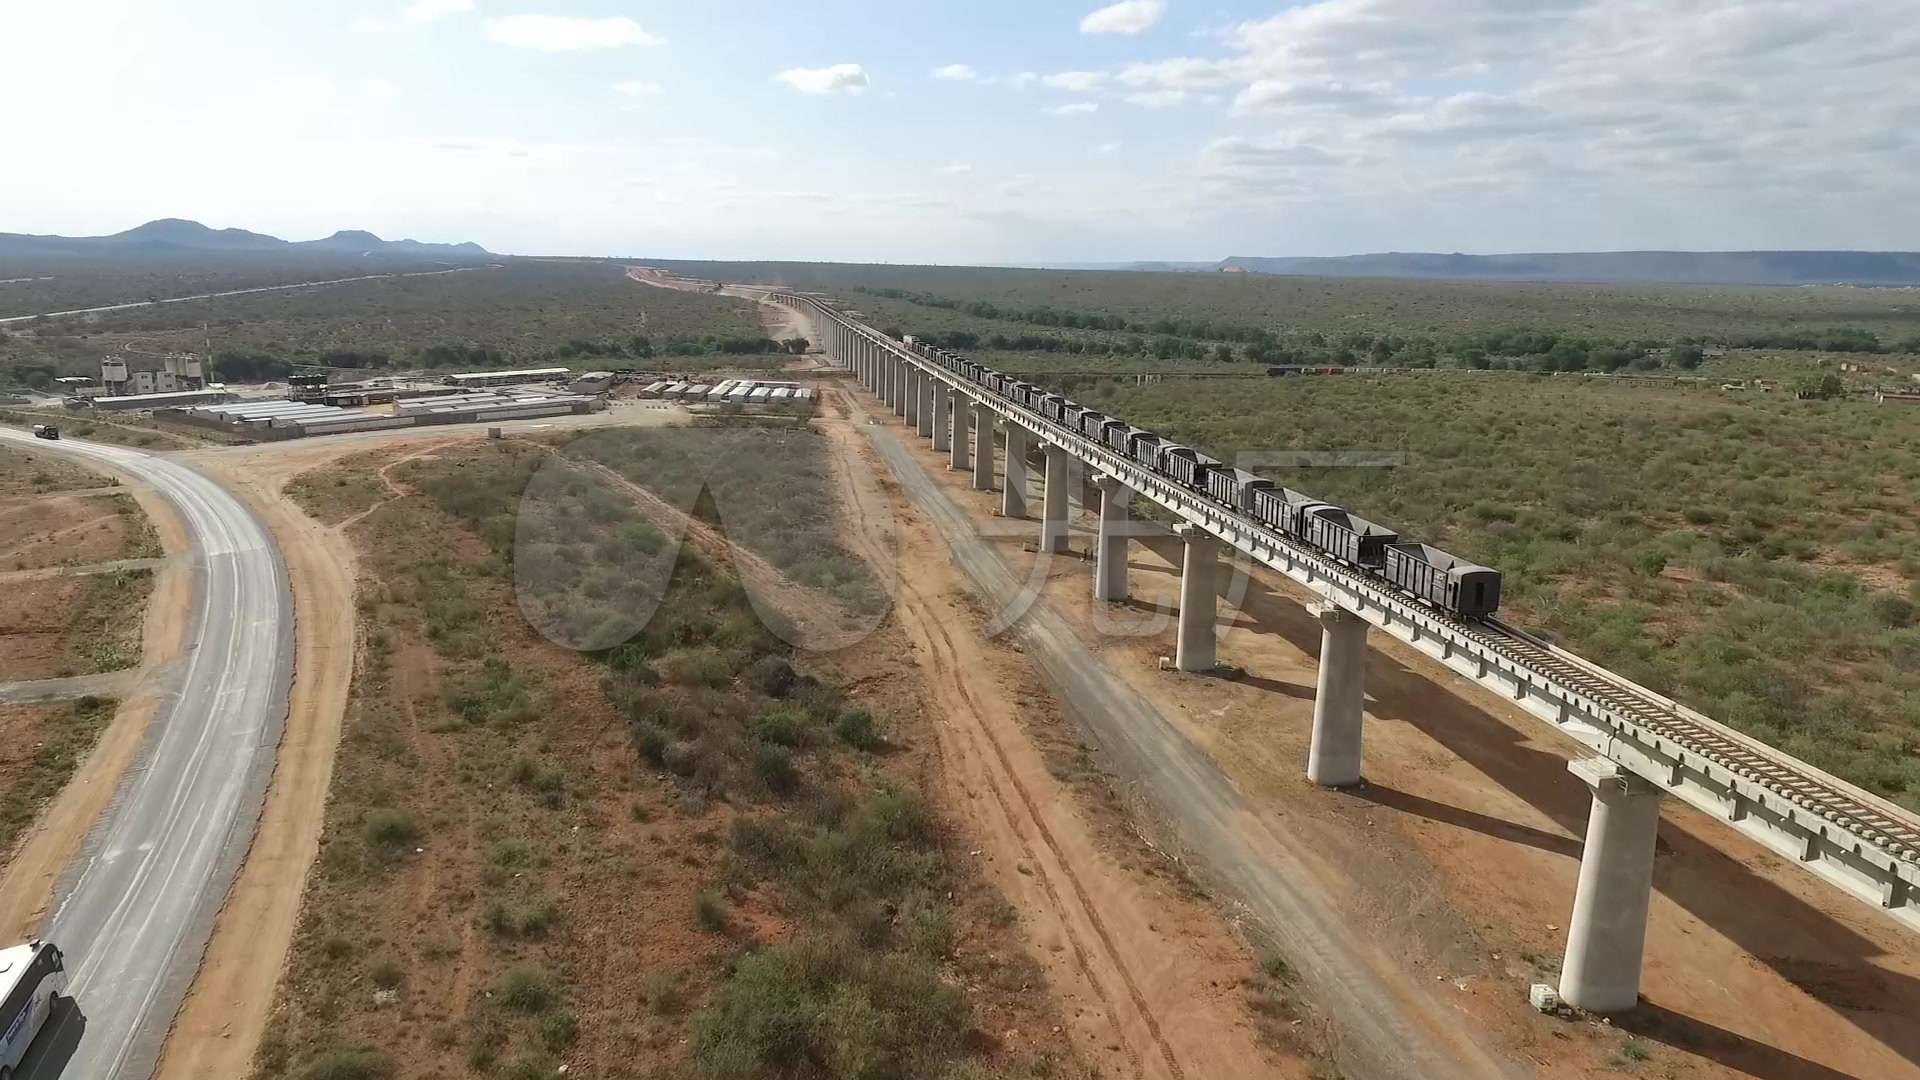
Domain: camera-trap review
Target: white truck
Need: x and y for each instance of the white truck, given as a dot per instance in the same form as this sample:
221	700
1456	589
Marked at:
45	431
33	979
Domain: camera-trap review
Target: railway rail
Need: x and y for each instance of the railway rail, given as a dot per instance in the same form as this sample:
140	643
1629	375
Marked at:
1853	839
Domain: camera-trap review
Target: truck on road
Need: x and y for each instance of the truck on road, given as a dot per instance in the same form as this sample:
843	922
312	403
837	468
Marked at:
45	431
33	979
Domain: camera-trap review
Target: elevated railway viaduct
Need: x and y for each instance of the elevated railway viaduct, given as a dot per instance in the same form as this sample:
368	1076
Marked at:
1645	745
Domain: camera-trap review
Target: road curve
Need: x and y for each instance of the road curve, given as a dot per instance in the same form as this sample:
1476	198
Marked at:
134	909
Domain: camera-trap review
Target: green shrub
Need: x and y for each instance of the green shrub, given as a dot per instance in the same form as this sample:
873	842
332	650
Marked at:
390	829
777	729
709	911
558	1030
828	1001
661	992
530	1065
526	987
387	974
928	926
528	920
856	728
773	766
653	743
345	1063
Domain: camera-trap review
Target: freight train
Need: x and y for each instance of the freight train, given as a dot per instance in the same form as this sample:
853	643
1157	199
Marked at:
1445	581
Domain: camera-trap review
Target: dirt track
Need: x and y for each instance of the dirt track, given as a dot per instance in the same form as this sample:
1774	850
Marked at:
1149	978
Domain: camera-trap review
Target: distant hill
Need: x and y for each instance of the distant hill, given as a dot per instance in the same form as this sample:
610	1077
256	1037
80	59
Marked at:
170	236
1646	267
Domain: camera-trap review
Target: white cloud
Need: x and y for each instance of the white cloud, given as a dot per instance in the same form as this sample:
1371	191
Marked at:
954	169
849	79
563	33
1078	108
636	89
1108	147
1158	99
1126	17
956	73
1022	81
426	11
1188	73
1078	82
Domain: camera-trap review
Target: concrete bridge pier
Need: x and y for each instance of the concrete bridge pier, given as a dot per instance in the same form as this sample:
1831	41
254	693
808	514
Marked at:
912	411
1194	648
902	382
1110	558
1053	504
982	448
924	418
1339	705
1607	936
1013	498
942	413
959	459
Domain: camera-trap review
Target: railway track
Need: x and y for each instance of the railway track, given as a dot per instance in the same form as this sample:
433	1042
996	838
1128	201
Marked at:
1775	772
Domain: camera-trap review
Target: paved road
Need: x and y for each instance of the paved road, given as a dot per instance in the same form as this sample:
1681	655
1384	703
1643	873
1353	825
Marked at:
134	910
231	292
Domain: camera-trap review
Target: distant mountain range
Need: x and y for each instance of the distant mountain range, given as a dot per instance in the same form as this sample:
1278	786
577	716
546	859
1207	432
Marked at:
173	236
1613	267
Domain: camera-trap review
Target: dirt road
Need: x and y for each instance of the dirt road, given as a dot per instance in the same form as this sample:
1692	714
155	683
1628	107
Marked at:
1391	1026
1149	977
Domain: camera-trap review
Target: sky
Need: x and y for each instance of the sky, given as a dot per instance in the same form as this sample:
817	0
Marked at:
974	131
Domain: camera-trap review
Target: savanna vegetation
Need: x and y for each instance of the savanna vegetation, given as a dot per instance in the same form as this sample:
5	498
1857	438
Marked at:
524	313
25	472
1756	556
1819	341
32	284
674	855
40	747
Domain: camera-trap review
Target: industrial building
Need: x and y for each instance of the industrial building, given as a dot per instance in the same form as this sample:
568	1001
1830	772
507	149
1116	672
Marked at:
131	402
302	419
179	372
467	379
593	382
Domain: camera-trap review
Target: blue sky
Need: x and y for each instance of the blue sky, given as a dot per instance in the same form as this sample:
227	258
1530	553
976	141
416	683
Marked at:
976	131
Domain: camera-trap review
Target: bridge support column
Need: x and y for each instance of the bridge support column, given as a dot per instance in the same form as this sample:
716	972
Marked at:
982	448
1194	644
960	459
1013	497
902	380
912	414
942	415
1339	705
1110	551
924	424
1053	500
1607	937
